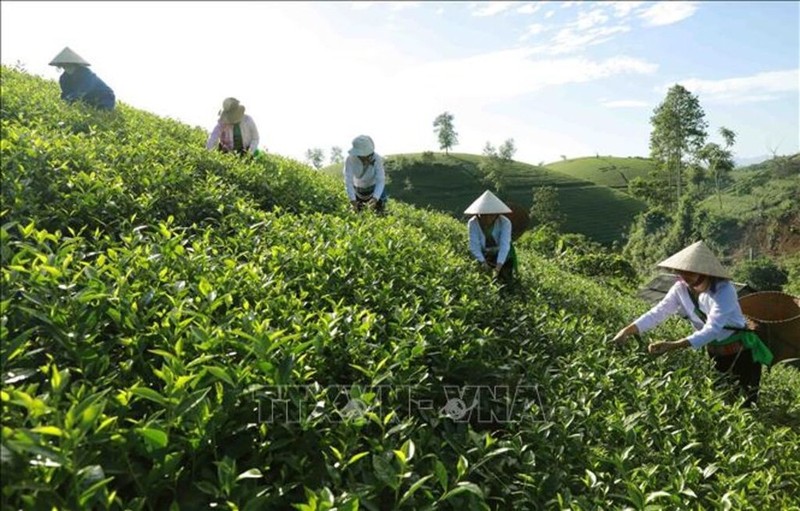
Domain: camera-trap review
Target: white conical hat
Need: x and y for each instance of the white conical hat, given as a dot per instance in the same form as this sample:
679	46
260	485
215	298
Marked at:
68	56
362	146
232	111
487	204
696	258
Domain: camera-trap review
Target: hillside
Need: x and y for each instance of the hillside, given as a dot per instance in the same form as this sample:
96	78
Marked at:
450	183
183	329
760	208
611	171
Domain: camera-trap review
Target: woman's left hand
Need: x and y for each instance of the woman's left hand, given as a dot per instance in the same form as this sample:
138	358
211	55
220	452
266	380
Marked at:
659	348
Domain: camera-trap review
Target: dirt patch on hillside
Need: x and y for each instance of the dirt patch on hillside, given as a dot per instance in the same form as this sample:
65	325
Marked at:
772	238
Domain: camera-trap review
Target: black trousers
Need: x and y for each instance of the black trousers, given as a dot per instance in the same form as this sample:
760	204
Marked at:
506	275
744	370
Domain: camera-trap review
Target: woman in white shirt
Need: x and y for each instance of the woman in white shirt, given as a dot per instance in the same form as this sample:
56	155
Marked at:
364	176
235	131
705	295
490	236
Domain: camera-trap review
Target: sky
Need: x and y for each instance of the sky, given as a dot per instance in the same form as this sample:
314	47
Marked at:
560	78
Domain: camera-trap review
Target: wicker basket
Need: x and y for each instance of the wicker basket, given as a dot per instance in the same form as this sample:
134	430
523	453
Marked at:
777	320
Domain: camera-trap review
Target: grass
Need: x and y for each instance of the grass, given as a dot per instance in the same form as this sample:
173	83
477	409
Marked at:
756	193
611	171
449	183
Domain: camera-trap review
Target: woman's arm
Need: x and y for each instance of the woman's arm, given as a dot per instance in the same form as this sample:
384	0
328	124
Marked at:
475	248
213	138
504	243
380	178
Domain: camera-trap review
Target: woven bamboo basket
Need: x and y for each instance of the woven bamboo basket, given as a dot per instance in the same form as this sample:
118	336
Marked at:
776	317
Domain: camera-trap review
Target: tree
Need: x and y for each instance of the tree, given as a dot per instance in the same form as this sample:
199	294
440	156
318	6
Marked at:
495	163
719	160
443	127
546	209
762	274
507	150
315	157
336	155
679	131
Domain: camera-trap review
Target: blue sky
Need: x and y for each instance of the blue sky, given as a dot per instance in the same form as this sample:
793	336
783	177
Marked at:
561	78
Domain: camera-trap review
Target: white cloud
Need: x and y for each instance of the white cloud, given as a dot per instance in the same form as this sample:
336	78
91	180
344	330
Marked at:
440	11
491	8
530	8
567	5
758	87
360	6
623	9
666	13
445	81
534	29
549	14
401	6
625	103
568	39
587	20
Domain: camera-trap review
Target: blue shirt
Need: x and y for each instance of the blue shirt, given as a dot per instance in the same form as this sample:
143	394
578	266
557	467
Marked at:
501	232
84	85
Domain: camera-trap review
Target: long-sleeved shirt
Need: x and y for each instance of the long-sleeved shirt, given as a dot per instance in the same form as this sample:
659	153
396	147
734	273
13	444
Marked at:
222	134
501	232
721	307
82	84
357	175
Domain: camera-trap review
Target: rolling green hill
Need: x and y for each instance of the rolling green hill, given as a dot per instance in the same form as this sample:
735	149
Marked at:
759	191
451	183
758	211
611	171
183	329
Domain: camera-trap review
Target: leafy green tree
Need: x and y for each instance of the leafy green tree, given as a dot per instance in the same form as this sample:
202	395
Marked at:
652	191
315	157
762	274
496	162
719	160
679	132
507	150
444	129
546	208
336	155
492	167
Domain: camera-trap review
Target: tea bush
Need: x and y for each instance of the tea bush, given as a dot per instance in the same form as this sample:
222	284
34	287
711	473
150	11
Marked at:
183	330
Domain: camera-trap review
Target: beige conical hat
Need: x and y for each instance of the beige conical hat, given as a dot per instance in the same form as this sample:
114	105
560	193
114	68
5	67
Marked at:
487	204
696	258
68	56
232	111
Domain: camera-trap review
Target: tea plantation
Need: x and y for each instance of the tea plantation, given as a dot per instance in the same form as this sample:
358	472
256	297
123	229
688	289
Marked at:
185	330
449	183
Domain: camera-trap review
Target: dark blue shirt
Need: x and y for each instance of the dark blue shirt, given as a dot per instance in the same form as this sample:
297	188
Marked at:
84	85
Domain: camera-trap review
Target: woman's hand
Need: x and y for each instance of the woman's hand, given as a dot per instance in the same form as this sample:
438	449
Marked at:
626	332
659	348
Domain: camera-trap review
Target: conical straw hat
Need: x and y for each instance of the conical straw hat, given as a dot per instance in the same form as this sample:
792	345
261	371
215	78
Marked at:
232	111
68	56
696	258
487	204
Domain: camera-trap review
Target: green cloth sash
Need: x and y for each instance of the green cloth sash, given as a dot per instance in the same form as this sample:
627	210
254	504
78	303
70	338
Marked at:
238	144
749	339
